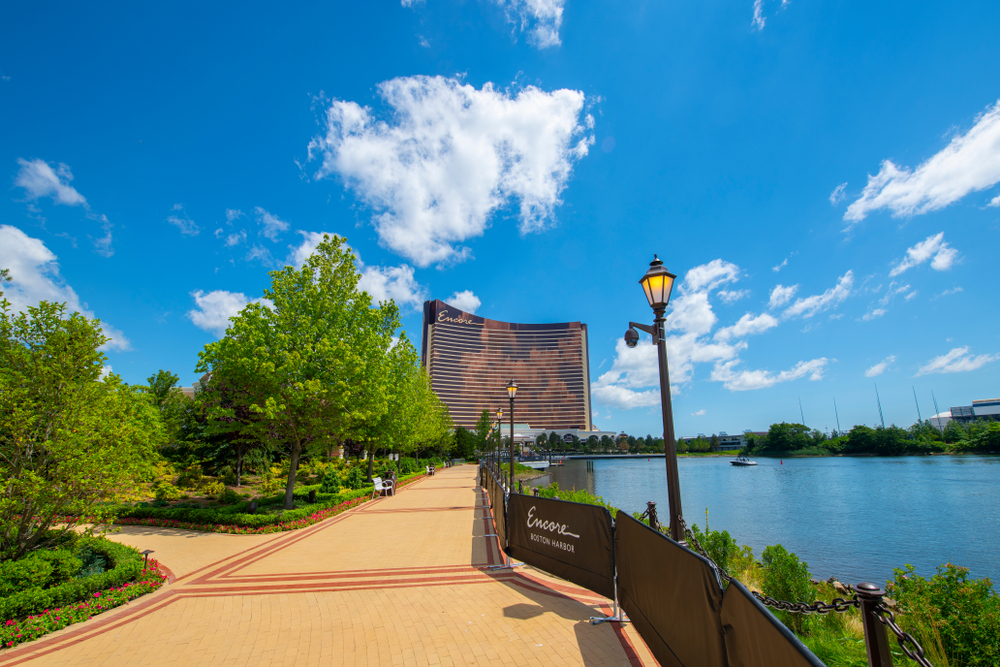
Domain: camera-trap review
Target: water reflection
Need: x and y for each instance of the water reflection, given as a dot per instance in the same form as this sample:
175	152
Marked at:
853	518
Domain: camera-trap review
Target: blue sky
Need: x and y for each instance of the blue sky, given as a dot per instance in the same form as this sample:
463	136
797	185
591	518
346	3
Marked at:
822	176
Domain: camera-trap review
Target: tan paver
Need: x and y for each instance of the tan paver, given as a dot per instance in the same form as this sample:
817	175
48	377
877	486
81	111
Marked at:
398	581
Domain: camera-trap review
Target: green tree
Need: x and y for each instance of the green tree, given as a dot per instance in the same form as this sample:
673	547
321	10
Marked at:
713	442
69	441
785	437
311	358
484	427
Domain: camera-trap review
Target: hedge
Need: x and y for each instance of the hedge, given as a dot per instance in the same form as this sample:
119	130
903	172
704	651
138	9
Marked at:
126	565
17	631
227	520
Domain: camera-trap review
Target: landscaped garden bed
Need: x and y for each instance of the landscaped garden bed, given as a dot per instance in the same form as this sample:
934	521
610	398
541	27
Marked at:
81	577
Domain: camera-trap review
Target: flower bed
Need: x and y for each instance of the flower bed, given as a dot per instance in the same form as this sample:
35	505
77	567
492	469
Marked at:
244	524
14	632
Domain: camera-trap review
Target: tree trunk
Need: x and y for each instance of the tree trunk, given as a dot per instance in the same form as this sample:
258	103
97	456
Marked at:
293	466
371	463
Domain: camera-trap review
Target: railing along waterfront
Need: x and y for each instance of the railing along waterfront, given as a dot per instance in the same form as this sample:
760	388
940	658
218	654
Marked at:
674	595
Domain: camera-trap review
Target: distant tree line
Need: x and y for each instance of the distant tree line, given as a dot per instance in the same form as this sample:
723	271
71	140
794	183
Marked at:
978	437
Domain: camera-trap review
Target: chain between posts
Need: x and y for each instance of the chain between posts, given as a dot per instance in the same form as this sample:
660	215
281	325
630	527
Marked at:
883	613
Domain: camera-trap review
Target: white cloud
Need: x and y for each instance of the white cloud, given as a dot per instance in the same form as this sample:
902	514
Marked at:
995	201
180	220
748	324
875	313
392	282
234	214
40	180
956	361
761	379
707	277
699	413
949	292
781	295
235	238
272	224
970	162
381	283
779	267
838	194
35	274
935	247
215	309
260	253
910	295
465	300
105	371
880	367
732	296
817	303
758	15
542	17
450	156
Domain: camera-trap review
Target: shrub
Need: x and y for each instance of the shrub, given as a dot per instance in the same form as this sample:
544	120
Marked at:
228	476
213	489
270	483
91	562
950	612
331	482
229	497
126	566
166	492
355	479
407	466
190	477
785	577
721	547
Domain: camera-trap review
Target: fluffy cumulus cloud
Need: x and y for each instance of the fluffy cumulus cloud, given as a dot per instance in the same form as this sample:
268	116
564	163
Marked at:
934	248
747	325
880	367
781	295
41	181
735	380
956	361
969	163
215	308
451	155
382	283
35	275
633	379
179	219
817	303
465	300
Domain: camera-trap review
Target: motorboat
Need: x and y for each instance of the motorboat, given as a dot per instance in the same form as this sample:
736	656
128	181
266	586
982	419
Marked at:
742	461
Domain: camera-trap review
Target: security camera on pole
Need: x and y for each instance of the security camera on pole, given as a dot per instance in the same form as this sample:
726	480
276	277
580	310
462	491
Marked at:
657	285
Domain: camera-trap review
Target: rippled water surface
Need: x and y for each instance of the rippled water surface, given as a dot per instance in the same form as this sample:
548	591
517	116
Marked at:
852	518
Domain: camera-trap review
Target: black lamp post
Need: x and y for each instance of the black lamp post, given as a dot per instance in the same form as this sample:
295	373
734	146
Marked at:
499	438
511	393
657	284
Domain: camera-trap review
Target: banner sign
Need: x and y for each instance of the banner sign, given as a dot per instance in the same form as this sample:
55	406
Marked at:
570	540
755	638
672	596
498	507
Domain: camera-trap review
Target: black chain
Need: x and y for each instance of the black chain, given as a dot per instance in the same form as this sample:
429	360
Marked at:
883	613
888	618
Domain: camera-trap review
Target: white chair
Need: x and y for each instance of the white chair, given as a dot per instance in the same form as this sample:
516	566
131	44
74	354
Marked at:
381	486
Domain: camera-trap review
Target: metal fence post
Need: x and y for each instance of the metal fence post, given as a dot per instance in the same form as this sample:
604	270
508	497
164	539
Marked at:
876	640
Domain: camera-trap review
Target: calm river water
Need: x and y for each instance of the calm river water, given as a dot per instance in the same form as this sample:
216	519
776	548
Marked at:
852	518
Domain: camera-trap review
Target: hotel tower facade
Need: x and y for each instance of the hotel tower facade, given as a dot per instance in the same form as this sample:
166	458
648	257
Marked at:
470	360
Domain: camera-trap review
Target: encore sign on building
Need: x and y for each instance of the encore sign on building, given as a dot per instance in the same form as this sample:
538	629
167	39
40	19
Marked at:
470	360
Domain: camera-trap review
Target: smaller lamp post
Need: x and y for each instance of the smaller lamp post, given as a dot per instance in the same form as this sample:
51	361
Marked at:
511	393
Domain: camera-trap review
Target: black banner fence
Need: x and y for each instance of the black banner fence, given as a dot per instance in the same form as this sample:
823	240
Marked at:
570	540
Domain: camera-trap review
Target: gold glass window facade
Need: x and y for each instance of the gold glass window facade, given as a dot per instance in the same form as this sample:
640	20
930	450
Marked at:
470	360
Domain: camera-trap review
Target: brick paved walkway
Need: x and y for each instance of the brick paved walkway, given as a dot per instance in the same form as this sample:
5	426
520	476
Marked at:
397	581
